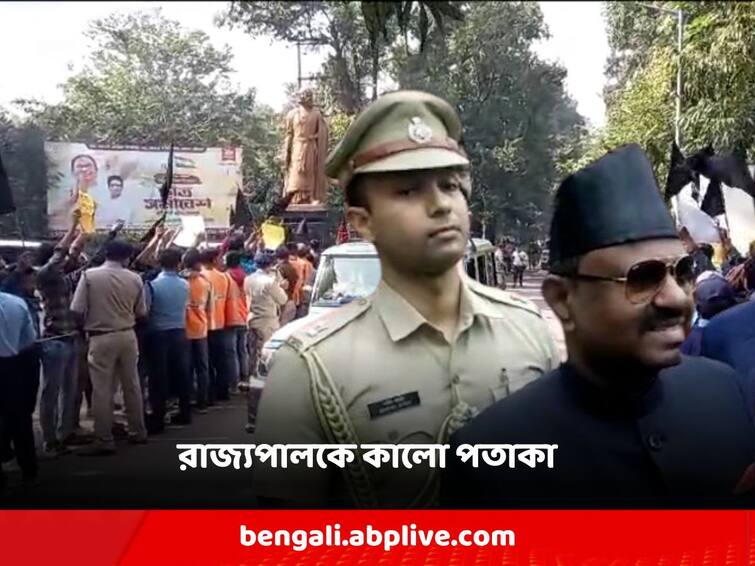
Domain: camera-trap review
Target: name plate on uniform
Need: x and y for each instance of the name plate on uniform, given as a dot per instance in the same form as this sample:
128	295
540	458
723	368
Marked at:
393	404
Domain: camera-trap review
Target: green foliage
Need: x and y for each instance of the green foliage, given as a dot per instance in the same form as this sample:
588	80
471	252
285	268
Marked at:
336	25
148	81
22	149
718	96
338	124
518	121
359	35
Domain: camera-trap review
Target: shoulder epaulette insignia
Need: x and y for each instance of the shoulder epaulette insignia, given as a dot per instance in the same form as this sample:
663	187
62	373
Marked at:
327	325
504	297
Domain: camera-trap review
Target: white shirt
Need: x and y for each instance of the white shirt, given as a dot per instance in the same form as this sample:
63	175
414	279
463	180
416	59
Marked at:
110	210
263	295
520	258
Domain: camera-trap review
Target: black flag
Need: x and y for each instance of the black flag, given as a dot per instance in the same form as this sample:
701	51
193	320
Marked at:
168	183
232	217
241	215
6	196
713	202
679	172
730	169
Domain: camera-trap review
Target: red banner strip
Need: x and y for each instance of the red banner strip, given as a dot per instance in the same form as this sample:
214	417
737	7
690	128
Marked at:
542	538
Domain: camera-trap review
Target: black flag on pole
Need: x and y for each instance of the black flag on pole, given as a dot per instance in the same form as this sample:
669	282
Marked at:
240	214
679	172
6	196
730	168
713	202
168	183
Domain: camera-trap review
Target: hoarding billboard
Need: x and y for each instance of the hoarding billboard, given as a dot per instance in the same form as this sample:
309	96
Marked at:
124	182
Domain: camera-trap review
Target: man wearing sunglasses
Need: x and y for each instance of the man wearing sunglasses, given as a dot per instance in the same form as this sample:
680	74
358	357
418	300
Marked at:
635	422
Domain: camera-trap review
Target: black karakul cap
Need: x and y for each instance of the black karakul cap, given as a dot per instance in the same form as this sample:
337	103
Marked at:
614	200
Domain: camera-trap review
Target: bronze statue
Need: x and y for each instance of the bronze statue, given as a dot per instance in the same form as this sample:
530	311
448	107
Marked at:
305	150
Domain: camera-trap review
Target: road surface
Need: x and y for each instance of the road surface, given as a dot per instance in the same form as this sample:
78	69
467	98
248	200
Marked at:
144	476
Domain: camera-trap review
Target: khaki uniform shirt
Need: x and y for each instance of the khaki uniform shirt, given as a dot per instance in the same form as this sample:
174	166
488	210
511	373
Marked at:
110	298
264	296
379	349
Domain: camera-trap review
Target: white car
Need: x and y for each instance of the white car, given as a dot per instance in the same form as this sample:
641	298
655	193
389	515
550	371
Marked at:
351	271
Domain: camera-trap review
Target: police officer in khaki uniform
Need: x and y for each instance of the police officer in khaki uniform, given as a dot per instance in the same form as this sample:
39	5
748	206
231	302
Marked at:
427	351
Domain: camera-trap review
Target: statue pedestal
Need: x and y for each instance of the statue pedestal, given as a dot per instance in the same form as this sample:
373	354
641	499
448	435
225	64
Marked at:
316	216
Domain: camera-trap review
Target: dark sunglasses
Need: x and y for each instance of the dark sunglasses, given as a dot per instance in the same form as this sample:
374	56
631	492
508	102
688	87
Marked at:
645	279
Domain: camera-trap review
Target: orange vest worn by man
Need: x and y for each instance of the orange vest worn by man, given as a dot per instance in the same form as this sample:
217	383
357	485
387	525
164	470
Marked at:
303	269
236	310
198	313
236	313
199	309
218	336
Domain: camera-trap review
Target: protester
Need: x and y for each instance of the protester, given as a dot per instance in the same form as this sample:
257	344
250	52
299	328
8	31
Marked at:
198	313
19	382
729	337
22	282
60	372
713	295
110	299
424	354
299	267
167	345
236	317
304	272
701	254
628	413
731	256
218	338
287	271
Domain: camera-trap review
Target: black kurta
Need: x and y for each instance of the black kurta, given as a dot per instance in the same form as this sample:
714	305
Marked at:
687	441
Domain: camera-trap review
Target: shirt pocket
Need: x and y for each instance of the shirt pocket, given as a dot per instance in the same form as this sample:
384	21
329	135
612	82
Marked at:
520	376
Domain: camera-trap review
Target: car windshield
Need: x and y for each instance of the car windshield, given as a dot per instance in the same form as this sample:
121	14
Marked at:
342	279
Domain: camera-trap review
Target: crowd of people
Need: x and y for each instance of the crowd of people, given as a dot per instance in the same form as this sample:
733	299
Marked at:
717	288
147	328
513	260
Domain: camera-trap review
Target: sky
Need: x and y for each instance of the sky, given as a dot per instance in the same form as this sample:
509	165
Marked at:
42	41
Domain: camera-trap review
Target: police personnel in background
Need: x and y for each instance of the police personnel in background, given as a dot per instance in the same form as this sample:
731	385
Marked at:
636	423
428	350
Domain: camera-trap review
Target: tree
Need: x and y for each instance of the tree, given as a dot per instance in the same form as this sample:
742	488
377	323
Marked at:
518	120
428	15
22	149
358	35
148	81
335	25
718	98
